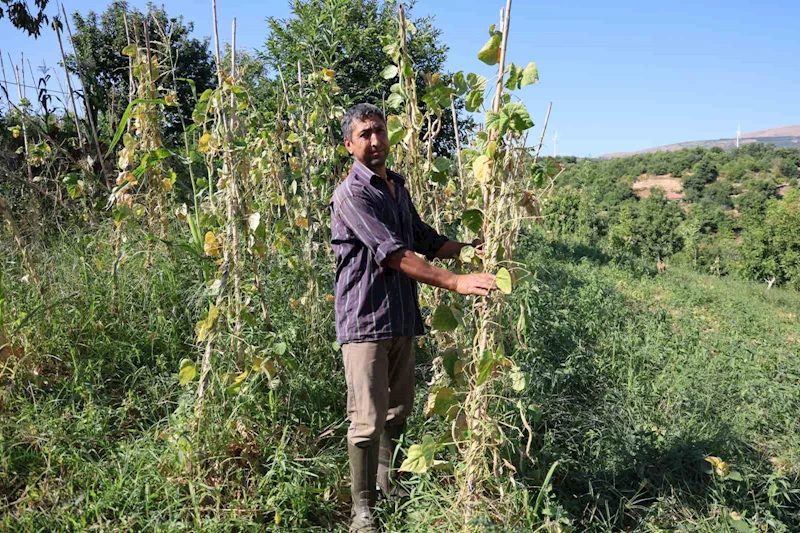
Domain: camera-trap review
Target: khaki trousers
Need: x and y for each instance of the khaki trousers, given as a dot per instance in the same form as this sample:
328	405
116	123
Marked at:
380	386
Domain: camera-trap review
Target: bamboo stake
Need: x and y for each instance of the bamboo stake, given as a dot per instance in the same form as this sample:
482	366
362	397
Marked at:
130	58
544	129
86	102
69	85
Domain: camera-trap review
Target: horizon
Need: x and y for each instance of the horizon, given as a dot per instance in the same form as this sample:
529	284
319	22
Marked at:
622	77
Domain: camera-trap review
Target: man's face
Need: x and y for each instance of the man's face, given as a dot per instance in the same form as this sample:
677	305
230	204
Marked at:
369	143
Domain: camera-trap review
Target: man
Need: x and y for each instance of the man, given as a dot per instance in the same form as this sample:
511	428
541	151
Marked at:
375	232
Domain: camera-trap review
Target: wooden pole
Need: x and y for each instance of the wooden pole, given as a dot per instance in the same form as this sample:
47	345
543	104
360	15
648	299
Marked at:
86	100
69	85
544	129
501	69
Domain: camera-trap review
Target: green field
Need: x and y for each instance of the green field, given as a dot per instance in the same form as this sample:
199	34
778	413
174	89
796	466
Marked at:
634	378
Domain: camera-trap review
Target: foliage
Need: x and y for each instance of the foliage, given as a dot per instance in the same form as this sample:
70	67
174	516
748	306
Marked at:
21	16
99	42
772	249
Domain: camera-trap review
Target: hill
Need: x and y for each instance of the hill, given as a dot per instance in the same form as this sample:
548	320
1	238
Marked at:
783	137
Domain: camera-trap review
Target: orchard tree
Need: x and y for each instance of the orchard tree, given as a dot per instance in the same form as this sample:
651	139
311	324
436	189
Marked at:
703	173
772	249
99	41
345	36
655	227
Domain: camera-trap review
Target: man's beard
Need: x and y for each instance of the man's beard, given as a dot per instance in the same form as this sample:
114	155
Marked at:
377	160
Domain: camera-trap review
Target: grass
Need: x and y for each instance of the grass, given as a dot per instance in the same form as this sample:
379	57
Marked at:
634	378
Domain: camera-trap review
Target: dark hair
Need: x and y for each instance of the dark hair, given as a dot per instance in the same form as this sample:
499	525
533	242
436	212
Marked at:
359	112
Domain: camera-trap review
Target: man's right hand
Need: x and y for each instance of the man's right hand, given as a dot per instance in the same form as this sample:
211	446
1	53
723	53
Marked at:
479	284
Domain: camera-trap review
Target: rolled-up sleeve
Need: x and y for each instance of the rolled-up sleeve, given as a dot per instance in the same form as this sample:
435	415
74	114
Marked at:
371	224
427	240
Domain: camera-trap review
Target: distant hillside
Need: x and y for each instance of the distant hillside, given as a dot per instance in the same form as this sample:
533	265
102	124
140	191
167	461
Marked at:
785	137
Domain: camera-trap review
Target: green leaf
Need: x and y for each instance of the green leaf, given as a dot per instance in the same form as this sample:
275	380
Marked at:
530	75
408	72
396	129
518	117
503	281
490	53
460	83
486	367
451	362
476	82
444	319
442	164
420	456
472	219
293	138
206	95
123	122
279	349
129	50
474	100
187	372
496	121
389	72
734	475
514	73
395	100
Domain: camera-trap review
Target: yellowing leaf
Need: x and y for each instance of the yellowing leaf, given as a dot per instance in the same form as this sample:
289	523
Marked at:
482	166
253	221
203	145
720	467
204	327
442	401
490	53
503	281
519	380
187	372
467	254
420	456
301	222
211	245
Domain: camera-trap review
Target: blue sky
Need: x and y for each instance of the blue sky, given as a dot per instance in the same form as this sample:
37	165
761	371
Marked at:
622	75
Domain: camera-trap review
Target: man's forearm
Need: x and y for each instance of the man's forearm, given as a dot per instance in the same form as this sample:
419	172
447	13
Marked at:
450	249
420	270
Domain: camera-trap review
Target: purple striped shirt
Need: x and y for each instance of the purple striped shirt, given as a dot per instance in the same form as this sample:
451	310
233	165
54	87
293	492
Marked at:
374	301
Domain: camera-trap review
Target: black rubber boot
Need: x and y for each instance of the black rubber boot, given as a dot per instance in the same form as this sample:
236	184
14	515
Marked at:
387	469
363	470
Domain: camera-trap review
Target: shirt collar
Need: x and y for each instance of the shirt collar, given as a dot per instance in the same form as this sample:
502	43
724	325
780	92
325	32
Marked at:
365	175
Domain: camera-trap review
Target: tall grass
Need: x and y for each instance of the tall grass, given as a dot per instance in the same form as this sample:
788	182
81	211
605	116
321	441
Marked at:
634	379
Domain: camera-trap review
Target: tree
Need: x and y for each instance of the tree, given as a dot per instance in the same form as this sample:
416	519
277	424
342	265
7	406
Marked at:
99	42
772	248
345	36
703	173
655	226
20	15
